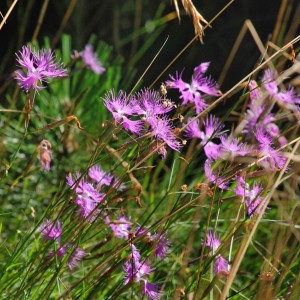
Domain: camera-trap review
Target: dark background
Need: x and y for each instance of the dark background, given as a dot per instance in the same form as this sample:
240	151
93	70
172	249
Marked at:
113	20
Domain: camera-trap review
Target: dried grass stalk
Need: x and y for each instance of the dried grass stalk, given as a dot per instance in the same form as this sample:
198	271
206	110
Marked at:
191	10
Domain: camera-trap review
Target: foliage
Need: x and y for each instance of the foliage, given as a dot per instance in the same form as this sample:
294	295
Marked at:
113	190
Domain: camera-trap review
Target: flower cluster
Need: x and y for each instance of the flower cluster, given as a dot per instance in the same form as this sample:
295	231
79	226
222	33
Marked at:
90	59
88	191
52	231
38	67
136	268
144	113
257	136
90	195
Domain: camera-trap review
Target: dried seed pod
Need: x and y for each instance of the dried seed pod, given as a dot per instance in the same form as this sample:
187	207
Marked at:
45	154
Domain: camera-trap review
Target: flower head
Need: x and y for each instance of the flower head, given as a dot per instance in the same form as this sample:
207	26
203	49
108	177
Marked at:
51	231
230	147
212	177
121	227
163	131
212	241
194	91
221	265
90	59
39	66
76	256
121	108
151	290
251	196
149	104
270	158
99	176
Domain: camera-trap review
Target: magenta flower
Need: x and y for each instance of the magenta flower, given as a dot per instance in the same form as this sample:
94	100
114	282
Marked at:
270	157
121	108
39	66
193	129
76	254
90	59
50	231
212	241
269	82
149	104
214	178
75	257
87	197
212	128
230	147
251	196
162	130
99	176
199	86
151	290
287	98
121	227
255	92
136	271
221	265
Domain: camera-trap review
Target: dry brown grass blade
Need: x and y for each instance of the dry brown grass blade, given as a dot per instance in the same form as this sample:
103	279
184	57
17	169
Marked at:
8	13
191	10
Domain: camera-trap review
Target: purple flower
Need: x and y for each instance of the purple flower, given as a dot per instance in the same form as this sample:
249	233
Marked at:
151	290
221	265
269	82
39	66
212	128
194	92
121	108
217	180
255	92
249	195
230	147
162	245
50	231
121	227
149	104
288	98
270	157
163	131
99	176
76	256
160	150
60	252
193	130
136	270
212	241
87	197
118	105
90	59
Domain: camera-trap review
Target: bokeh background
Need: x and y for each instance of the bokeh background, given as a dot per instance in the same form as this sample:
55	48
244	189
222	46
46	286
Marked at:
137	29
